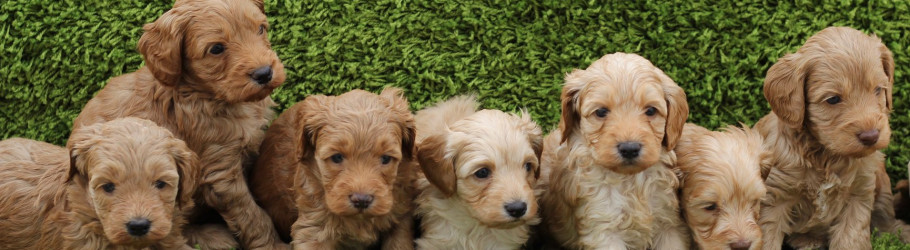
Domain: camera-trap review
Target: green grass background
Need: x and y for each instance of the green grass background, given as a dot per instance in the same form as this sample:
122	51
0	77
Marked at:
56	54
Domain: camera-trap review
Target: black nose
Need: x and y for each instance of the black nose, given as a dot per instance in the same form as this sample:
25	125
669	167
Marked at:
868	137
741	245
138	227
262	75
629	150
516	209
361	201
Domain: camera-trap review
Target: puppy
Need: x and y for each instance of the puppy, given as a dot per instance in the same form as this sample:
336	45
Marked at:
830	103
340	169
480	172
126	184
209	70
612	186
721	186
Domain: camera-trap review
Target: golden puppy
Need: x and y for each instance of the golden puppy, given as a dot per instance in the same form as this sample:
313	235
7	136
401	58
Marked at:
612	186
209	69
721	186
830	103
126	184
480	171
340	169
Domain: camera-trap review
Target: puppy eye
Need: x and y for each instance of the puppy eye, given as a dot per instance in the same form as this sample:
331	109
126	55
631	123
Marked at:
878	90
108	187
601	112
261	29
160	184
833	100
217	49
528	166
482	173
651	111
711	207
337	158
385	159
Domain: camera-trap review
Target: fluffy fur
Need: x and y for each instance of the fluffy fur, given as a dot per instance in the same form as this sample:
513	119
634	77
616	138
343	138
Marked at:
460	210
323	153
116	172
597	198
199	82
826	99
721	186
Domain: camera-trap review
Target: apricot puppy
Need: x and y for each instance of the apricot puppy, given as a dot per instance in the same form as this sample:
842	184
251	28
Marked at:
721	186
126	184
612	186
340	169
830	103
209	69
481	169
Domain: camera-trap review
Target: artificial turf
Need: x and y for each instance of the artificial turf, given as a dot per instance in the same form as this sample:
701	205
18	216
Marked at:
56	54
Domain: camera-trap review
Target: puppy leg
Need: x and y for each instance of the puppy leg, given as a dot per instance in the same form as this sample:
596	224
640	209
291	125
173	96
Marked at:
306	237
851	231
883	215
401	236
671	238
228	193
775	222
612	241
210	236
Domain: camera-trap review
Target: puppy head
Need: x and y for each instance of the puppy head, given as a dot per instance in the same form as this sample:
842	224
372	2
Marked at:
218	48
139	177
360	143
838	85
489	160
721	187
625	110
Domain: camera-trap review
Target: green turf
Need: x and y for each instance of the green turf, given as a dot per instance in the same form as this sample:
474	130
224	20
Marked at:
56	54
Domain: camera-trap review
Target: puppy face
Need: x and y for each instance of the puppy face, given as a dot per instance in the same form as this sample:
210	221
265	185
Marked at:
489	160
722	187
624	109
138	178
359	143
216	47
838	86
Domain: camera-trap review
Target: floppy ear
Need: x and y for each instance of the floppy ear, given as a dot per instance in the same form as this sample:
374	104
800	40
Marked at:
784	89
78	145
677	110
189	170
439	169
309	121
402	112
161	46
888	64
569	101
535	137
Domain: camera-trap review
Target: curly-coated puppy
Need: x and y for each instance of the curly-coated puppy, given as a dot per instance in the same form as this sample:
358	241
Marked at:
127	184
721	186
209	69
340	169
830	103
612	186
481	169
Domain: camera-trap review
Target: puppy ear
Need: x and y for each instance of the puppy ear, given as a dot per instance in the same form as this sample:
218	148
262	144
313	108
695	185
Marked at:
161	46
569	100
189	170
402	113
784	89
677	110
78	145
535	137
888	65
439	169
309	120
